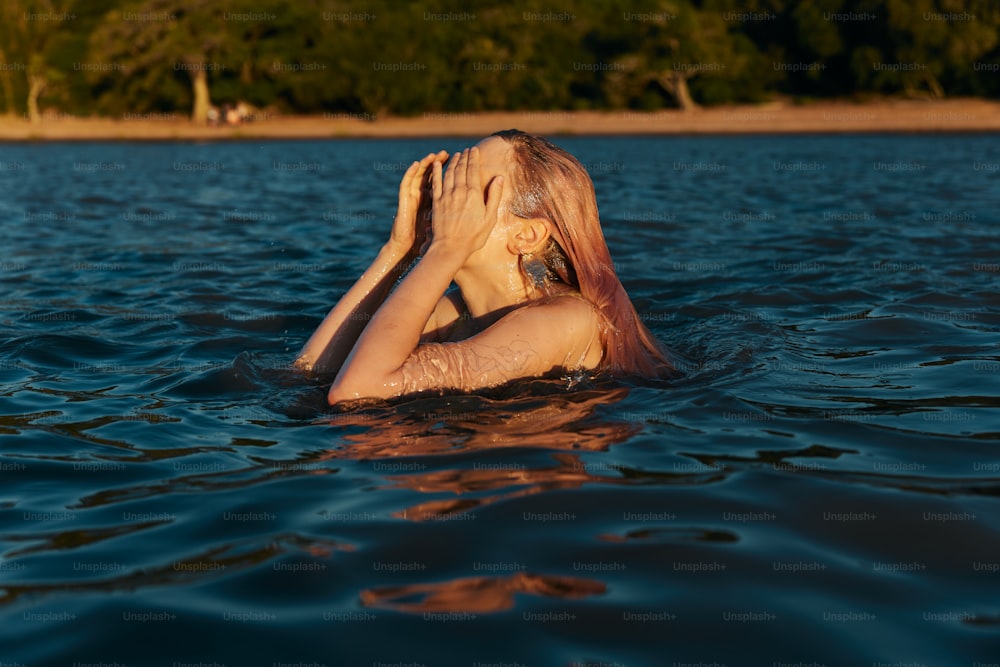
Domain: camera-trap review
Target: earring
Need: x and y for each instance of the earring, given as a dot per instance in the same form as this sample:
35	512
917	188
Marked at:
535	269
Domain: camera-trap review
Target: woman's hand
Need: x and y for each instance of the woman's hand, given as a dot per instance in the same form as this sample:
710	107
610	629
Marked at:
409	229
462	221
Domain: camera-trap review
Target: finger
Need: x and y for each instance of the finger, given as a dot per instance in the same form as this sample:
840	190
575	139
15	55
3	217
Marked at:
422	175
450	175
472	178
406	184
424	164
493	197
411	170
436	185
461	169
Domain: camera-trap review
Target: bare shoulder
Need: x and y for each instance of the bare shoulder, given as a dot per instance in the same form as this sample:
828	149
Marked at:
564	329
555	333
567	310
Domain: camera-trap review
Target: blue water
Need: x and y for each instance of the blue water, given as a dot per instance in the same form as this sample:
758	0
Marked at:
821	484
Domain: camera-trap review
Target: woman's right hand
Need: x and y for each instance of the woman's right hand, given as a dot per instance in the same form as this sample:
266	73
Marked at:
409	229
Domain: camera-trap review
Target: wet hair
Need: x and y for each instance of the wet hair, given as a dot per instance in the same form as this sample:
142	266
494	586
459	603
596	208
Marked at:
550	183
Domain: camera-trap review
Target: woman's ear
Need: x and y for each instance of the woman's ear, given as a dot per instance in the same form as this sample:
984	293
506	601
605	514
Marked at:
529	236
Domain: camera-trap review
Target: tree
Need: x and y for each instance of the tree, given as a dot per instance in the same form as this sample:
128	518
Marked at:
6	81
382	56
29	27
933	40
669	44
152	41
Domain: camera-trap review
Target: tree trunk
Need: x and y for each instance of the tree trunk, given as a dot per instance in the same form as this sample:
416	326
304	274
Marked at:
8	87
36	84
202	100
936	90
683	95
675	83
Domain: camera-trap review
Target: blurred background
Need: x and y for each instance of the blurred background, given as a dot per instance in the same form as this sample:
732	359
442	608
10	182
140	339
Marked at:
372	58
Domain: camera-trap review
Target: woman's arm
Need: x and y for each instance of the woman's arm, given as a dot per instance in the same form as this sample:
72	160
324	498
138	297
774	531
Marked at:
394	331
520	345
330	345
461	223
332	341
386	361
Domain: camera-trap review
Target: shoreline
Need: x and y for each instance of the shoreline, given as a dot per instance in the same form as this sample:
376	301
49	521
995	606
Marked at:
886	116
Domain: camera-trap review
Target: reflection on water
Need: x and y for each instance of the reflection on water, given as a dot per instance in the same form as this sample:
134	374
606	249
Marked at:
468	426
478	595
564	420
569	472
820	486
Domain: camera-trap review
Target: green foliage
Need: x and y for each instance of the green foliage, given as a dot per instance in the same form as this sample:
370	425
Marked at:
380	57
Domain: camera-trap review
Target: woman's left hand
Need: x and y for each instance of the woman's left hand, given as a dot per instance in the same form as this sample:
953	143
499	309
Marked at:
409	229
462	221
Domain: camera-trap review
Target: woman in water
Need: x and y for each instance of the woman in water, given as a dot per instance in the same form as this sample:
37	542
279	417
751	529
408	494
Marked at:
513	224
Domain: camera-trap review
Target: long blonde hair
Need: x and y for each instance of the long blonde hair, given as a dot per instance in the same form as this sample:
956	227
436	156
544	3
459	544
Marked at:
550	183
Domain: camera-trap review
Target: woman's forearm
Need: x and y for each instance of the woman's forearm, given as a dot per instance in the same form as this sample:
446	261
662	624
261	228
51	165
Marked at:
461	224
394	332
333	340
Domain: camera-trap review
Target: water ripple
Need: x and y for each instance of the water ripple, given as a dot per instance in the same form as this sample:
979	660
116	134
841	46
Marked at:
819	484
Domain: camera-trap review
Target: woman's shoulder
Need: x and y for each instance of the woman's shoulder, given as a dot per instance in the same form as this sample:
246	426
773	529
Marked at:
570	322
566	314
567	301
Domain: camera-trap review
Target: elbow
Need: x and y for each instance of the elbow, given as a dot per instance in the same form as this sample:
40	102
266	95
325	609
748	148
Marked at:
339	393
347	388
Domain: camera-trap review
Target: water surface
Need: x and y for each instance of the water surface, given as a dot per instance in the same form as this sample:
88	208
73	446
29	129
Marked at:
819	486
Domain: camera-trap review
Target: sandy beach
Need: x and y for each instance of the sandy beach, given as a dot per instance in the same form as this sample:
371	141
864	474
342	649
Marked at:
962	115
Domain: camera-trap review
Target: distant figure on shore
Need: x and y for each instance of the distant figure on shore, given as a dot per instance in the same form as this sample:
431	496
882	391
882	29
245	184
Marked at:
229	114
513	223
243	112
